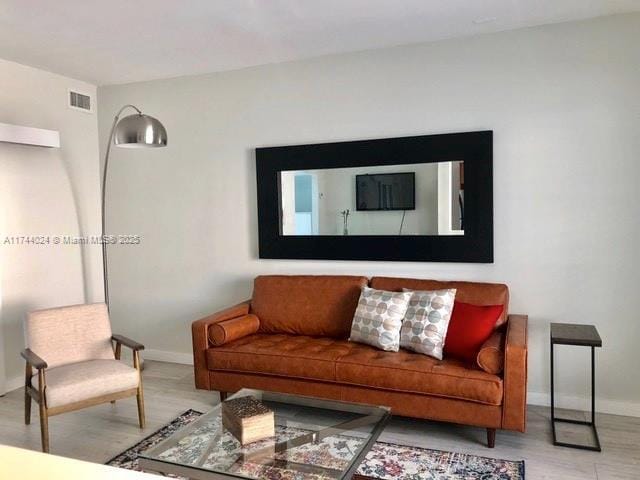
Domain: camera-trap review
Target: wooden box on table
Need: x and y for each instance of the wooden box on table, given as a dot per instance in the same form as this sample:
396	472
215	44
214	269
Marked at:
247	419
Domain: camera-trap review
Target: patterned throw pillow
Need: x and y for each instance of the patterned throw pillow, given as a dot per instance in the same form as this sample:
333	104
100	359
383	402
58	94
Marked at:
378	318
426	321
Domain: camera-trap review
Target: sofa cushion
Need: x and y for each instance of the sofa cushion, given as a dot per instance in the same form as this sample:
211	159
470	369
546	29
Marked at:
232	329
470	327
491	355
331	360
426	321
306	304
285	355
378	318
476	293
411	372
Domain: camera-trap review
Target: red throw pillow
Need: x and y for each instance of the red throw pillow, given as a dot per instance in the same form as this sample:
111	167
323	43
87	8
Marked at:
470	326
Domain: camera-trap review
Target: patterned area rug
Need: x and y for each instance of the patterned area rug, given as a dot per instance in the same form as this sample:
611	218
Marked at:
385	461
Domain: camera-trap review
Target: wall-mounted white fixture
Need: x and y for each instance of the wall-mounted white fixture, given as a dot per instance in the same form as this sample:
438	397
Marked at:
38	137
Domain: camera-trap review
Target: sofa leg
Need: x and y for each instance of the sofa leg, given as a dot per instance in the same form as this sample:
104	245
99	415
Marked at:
491	437
223	396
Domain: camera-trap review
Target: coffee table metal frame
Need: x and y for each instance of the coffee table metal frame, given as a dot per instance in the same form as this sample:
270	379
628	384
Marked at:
150	462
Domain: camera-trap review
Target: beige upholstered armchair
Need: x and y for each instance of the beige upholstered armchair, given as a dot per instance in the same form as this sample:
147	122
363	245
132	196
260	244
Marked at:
77	363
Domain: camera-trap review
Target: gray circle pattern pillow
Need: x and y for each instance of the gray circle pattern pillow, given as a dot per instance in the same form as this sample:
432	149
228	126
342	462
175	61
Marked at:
426	321
378	318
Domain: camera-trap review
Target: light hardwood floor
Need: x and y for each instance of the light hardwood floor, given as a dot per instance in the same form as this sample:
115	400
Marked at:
99	433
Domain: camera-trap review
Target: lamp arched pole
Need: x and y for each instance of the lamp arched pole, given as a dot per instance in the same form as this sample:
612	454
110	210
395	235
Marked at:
104	190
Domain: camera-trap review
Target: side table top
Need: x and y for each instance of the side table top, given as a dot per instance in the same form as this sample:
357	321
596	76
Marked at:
575	334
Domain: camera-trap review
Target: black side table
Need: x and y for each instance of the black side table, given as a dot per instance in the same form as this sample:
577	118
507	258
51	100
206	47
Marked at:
584	335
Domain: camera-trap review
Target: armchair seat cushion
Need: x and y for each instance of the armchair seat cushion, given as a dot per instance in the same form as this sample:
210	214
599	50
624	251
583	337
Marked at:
80	381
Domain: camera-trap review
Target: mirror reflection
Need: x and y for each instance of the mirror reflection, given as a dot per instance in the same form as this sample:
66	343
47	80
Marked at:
414	199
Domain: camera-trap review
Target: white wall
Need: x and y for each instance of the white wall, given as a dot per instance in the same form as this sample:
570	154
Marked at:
563	103
45	192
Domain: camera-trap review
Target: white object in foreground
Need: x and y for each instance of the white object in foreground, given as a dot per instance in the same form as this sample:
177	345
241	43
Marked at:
30	465
29	136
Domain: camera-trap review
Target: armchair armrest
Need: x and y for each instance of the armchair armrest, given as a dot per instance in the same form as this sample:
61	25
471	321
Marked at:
514	412
127	342
32	359
200	338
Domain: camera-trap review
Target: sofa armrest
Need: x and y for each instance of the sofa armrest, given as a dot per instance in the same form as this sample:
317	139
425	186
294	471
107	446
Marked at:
514	408
200	339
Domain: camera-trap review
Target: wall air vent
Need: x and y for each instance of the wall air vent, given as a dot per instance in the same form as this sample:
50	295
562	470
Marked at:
80	101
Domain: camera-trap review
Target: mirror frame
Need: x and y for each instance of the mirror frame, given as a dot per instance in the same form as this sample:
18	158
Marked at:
475	246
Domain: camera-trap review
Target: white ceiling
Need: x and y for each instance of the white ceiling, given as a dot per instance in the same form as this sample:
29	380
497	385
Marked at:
119	41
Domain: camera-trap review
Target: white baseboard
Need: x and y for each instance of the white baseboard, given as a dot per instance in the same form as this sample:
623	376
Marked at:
12	384
171	357
603	405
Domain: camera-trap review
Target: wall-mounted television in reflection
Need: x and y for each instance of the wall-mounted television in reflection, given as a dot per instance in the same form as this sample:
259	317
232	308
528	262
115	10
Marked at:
386	191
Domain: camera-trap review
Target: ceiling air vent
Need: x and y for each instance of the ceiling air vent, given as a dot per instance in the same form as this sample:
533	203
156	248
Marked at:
80	101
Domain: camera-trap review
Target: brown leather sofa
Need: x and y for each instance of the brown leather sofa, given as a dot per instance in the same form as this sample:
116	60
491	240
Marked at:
292	337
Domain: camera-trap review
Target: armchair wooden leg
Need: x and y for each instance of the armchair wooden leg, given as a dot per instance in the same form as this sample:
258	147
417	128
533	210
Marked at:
27	408
491	437
140	394
27	397
44	416
117	353
140	399
44	428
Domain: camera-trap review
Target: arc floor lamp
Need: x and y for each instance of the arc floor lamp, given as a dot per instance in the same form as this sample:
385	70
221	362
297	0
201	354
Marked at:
133	131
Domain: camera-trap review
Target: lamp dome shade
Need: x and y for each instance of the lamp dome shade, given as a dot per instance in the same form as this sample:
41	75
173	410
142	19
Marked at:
140	131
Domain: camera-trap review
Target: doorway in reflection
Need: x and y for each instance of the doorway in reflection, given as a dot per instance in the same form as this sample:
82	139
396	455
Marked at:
299	203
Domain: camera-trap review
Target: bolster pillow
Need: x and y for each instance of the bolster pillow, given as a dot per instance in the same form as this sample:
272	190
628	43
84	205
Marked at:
233	329
491	355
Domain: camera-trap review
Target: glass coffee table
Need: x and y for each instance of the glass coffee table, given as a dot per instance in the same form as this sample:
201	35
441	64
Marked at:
314	439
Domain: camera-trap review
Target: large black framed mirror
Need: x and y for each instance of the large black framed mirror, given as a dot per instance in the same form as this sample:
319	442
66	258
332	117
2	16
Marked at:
426	198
